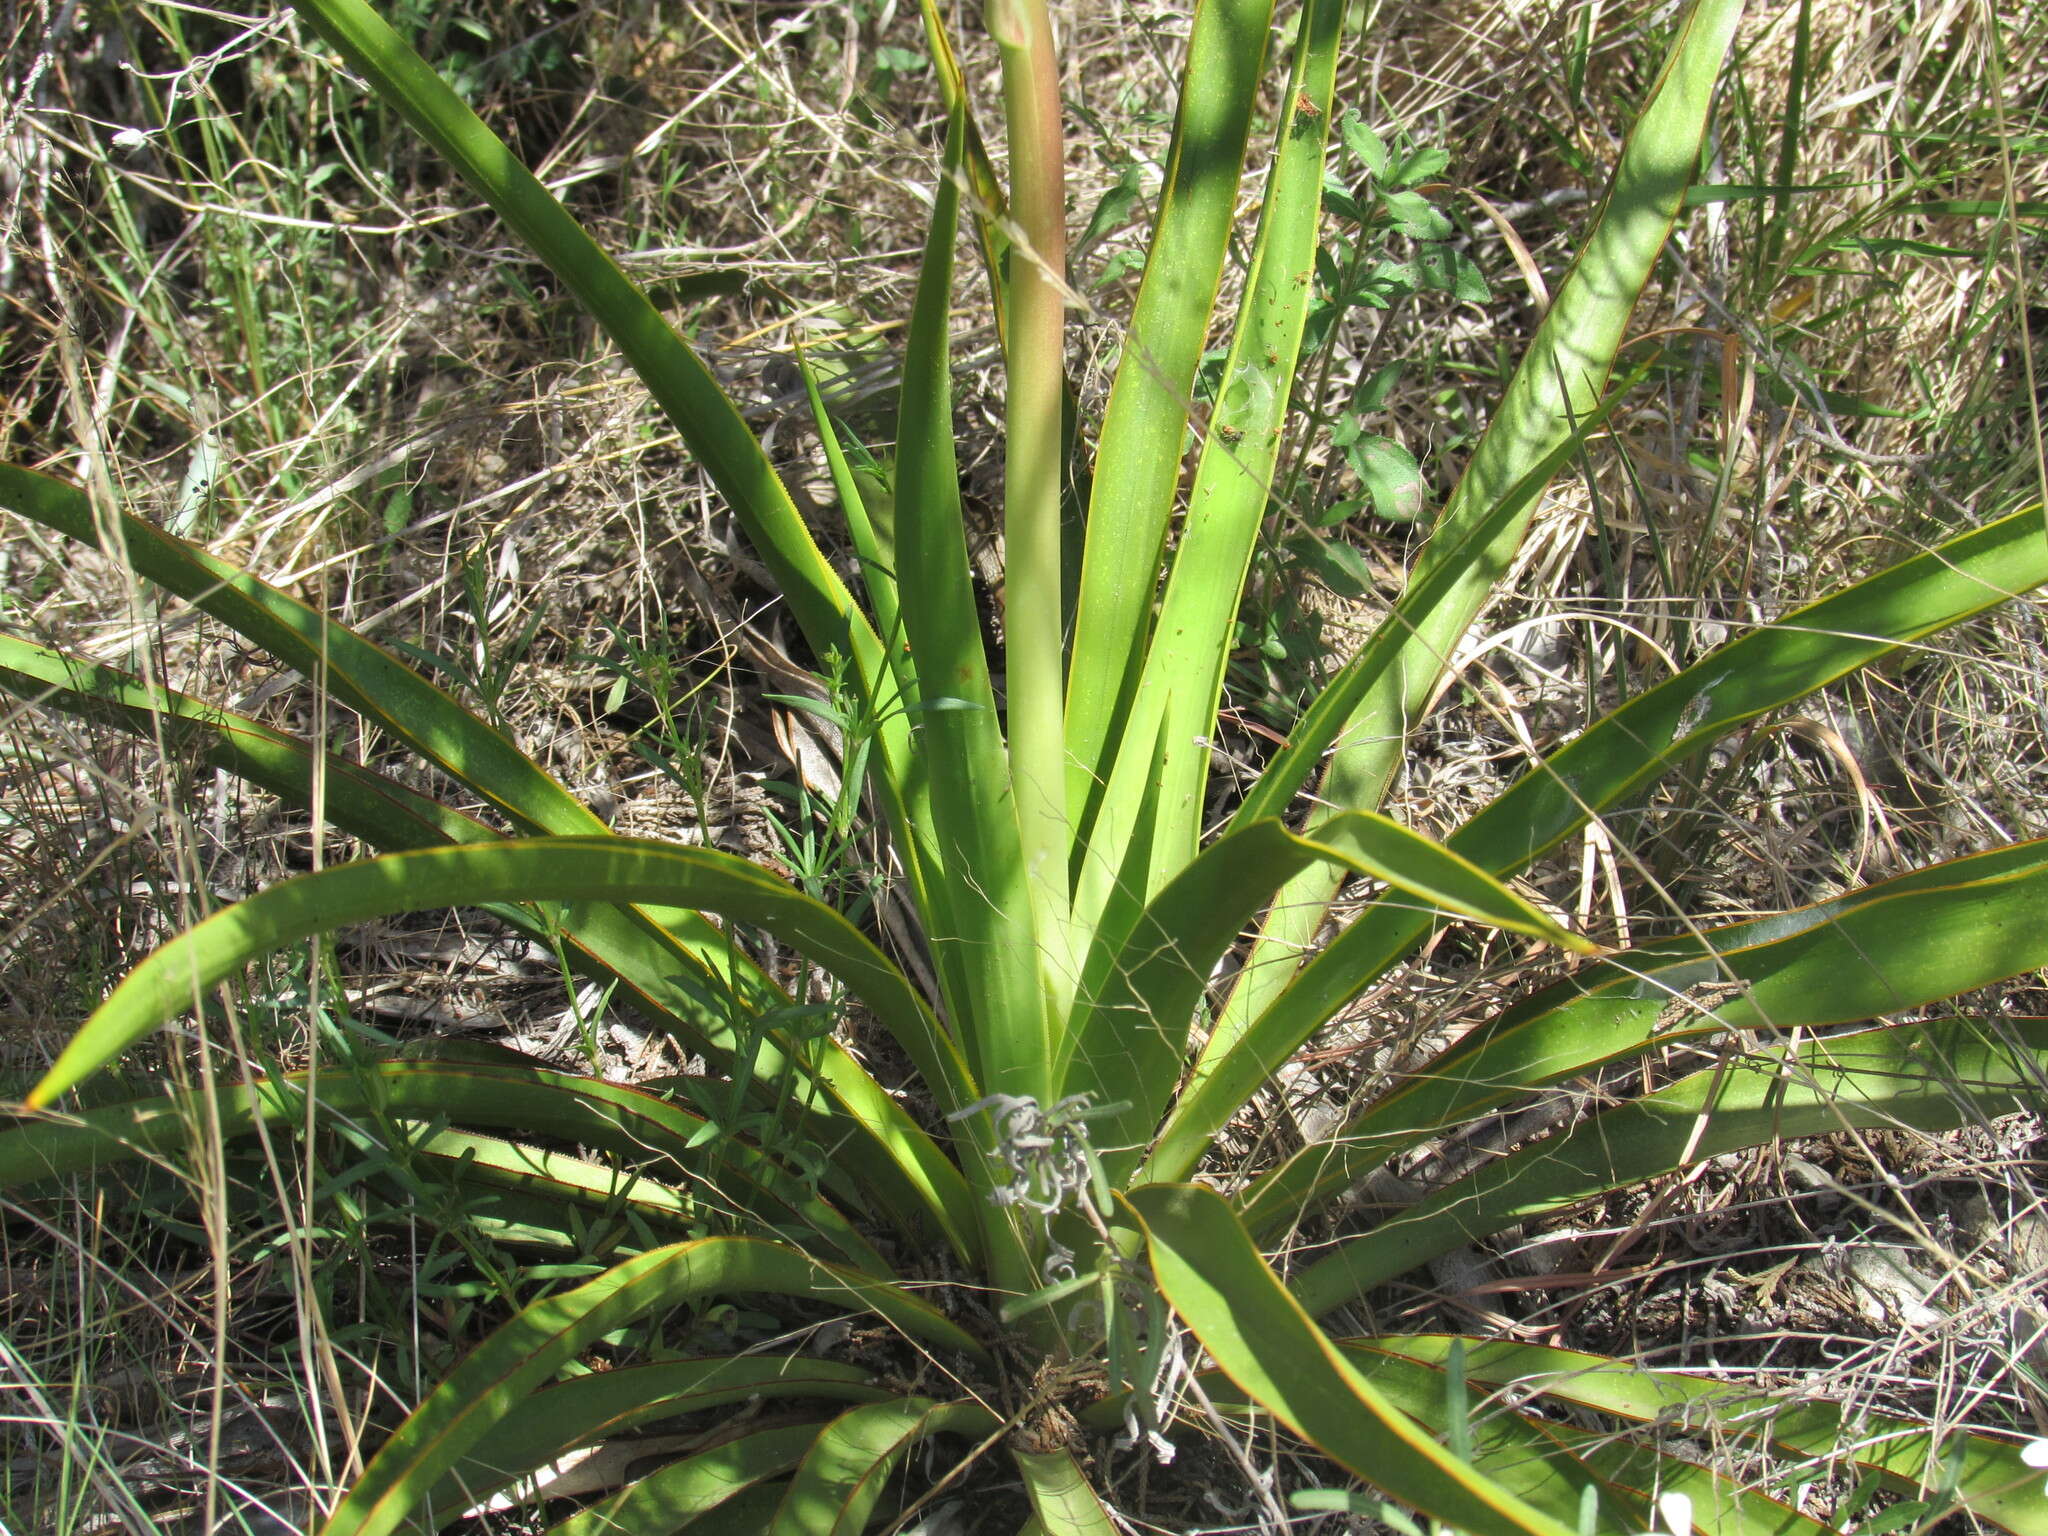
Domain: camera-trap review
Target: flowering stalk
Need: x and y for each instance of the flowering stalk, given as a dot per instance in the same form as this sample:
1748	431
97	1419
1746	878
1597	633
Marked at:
1034	458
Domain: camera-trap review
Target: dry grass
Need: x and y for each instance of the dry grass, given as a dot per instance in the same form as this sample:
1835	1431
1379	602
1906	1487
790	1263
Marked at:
377	388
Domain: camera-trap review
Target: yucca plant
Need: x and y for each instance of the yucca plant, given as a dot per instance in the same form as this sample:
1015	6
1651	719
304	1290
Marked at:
1078	1053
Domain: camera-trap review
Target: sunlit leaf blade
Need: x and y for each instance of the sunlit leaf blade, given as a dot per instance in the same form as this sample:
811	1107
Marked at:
1551	1464
598	1404
1539	1459
363	675
1128	1044
1760	671
1222	1289
985	188
511	1179
1061	1498
378	686
836	1488
1317	733
1930	1077
980	918
1906	942
568	869
1723	1505
1560	1459
671	1497
873	544
1228	505
1558	384
532	869
1139	455
1912	1457
528	1351
1138	461
1794	656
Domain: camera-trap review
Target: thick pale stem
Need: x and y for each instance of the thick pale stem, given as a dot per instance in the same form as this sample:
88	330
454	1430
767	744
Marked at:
1033	465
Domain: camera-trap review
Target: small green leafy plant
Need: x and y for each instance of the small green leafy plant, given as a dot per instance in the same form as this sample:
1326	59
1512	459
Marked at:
1075	1045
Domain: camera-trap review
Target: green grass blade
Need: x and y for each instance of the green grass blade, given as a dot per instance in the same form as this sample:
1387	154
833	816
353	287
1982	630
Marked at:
1061	1498
840	1481
591	1407
557	869
1130	1041
363	675
1758	672
673	1496
528	1351
1629	1475
1222	1289
550	1183
980	919
1912	1457
1138	461
1539	1459
873	544
1183	671
1896	945
1930	1077
985	199
1317	733
1798	654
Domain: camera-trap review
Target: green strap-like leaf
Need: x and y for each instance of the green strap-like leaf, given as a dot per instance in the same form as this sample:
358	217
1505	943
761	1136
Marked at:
1798	654
985	201
1551	1463
562	869
980	920
841	1479
1901	944
1540	1460
359	800
1558	384
374	683
598	1404
1259	1335
1758	672
1563	1459
671	1497
1183	671
528	1351
1061	1498
882	1156
1930	1077
529	1100
1138	462
363	675
710	424
1912	1457
1130	1043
